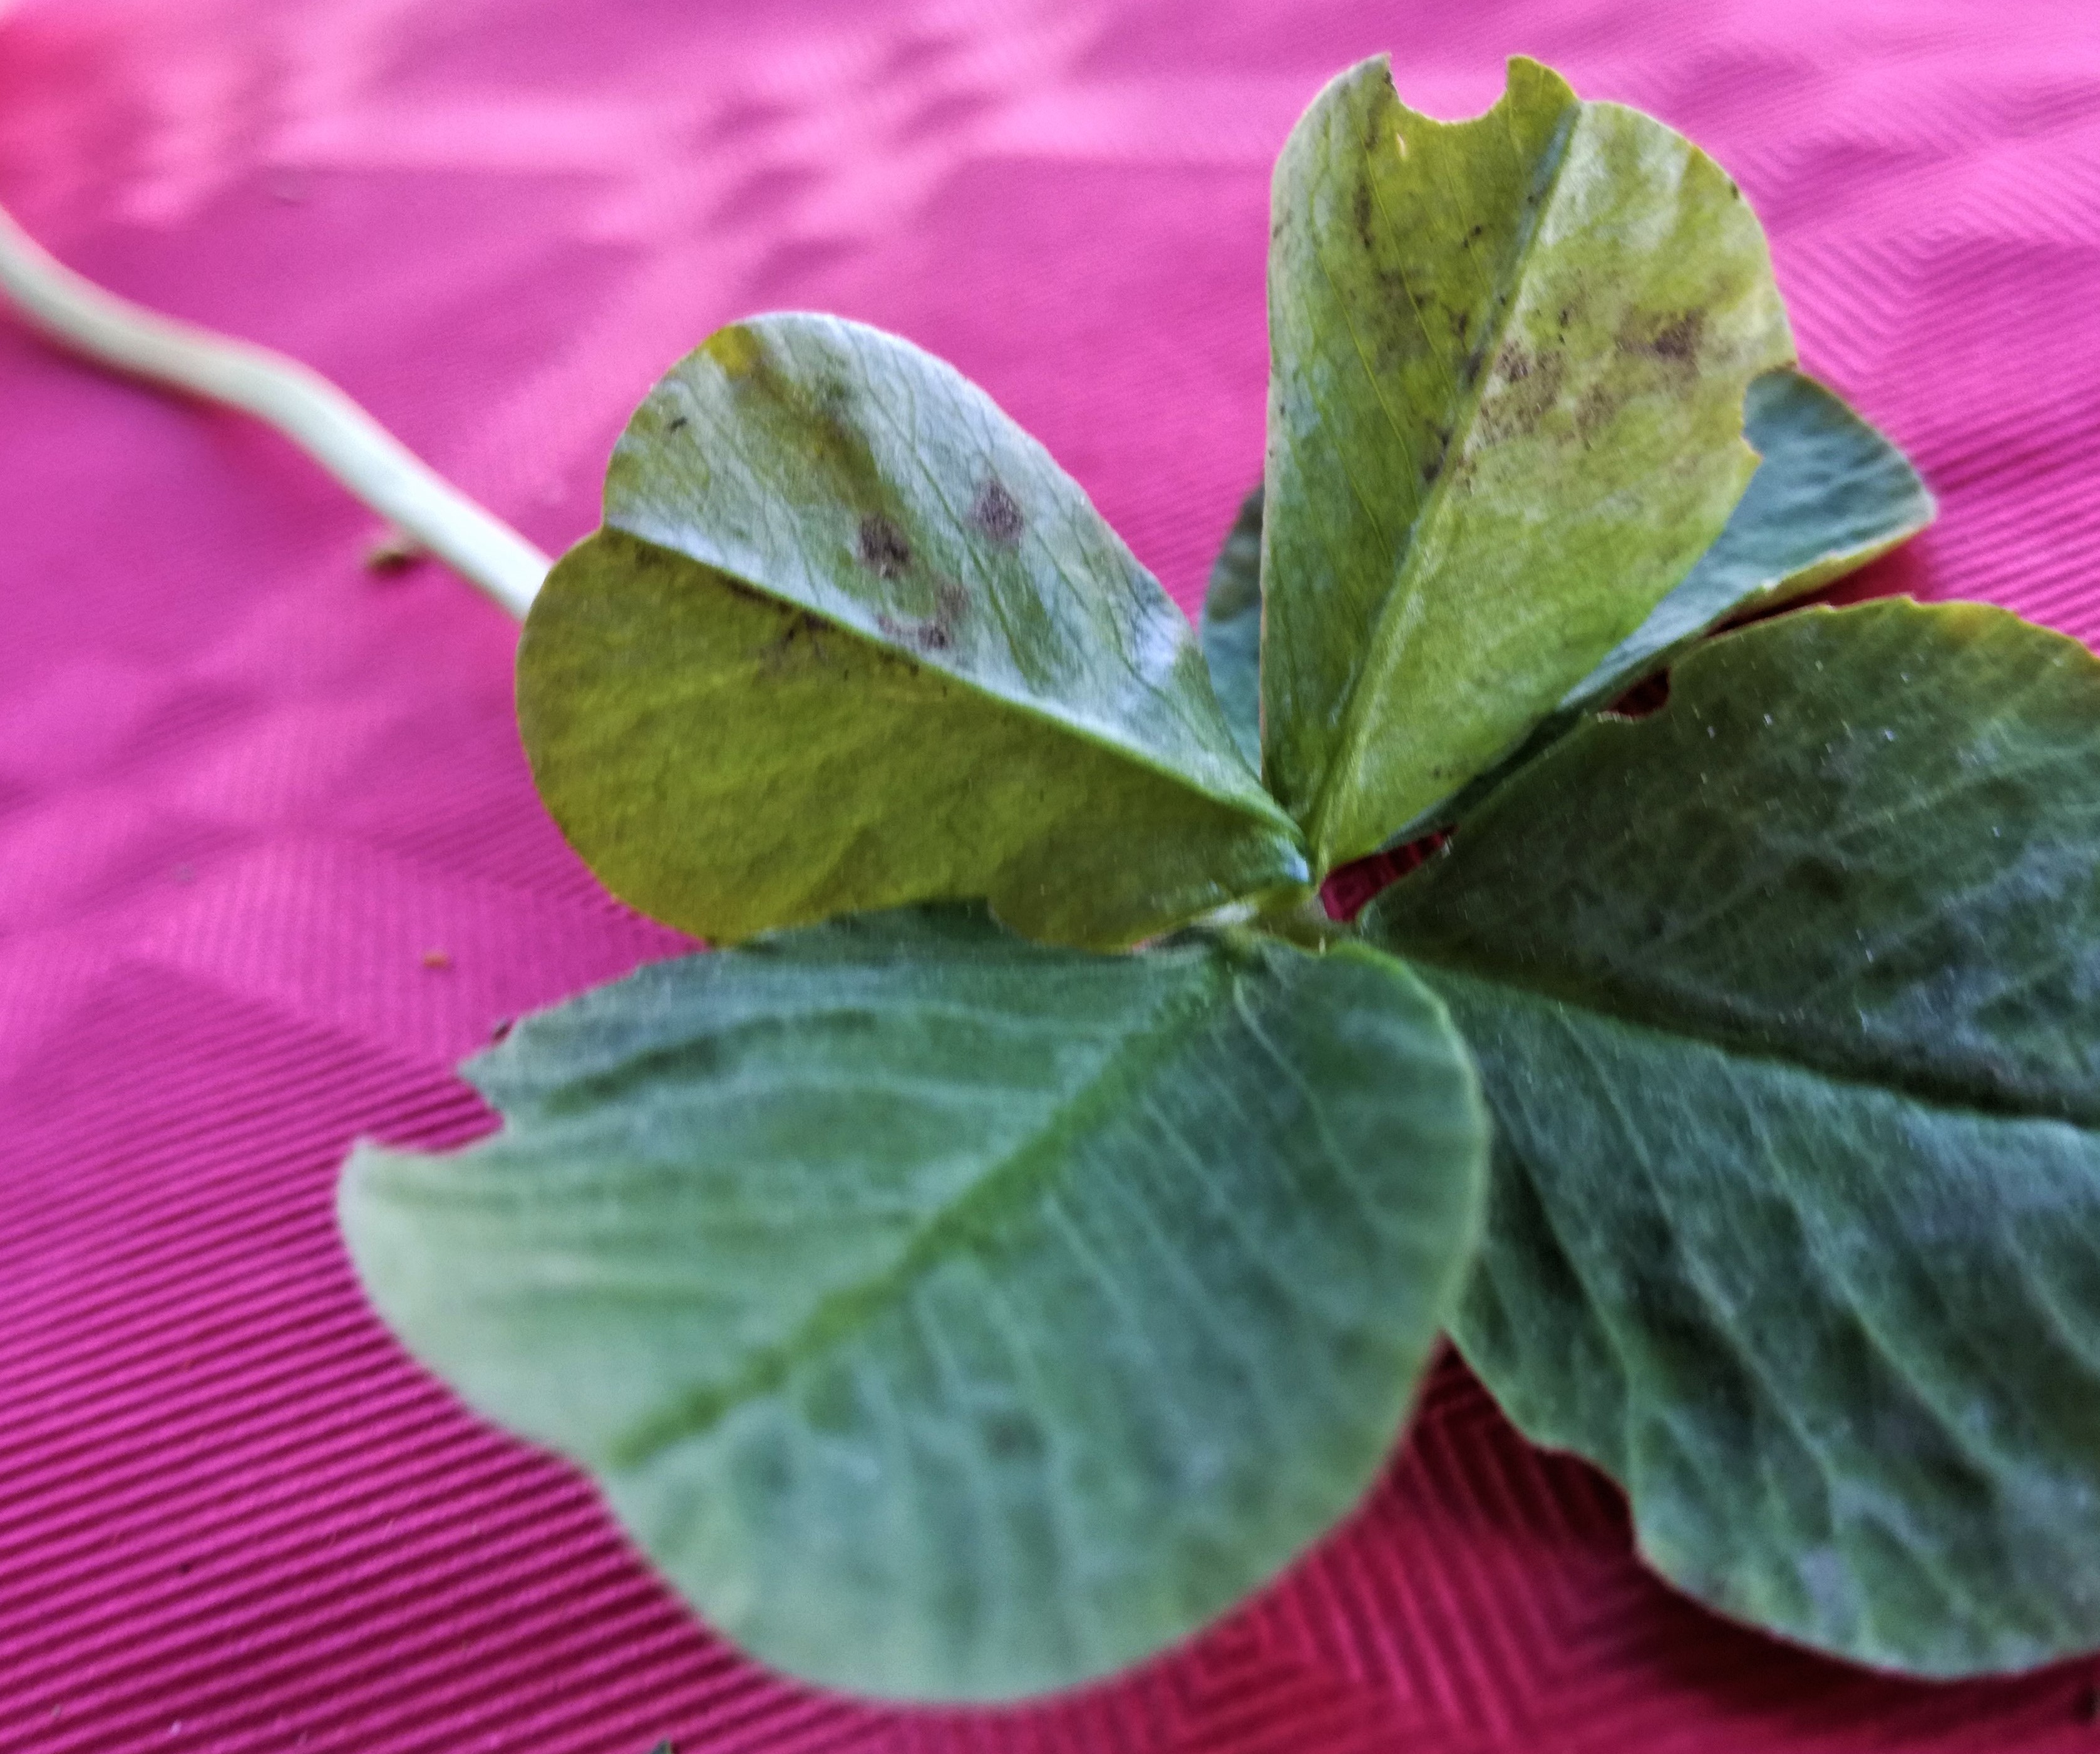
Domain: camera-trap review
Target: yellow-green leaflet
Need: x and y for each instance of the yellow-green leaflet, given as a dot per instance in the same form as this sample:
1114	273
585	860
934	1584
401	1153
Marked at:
850	638
1508	360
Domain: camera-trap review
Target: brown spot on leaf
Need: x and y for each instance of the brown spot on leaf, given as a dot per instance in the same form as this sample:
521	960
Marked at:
883	548
997	513
1679	338
936	635
1595	411
1675	340
1530	388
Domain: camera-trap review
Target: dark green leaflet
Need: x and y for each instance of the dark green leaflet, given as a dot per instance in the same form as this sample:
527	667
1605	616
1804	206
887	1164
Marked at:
1787	1001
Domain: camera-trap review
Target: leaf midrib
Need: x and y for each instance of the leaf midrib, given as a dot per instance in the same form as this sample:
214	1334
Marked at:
1004	1188
1674	1028
1254	804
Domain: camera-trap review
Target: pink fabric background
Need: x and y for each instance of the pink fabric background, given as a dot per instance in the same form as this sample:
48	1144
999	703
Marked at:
249	791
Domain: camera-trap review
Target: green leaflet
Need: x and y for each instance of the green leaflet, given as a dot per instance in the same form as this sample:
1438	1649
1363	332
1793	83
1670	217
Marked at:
1829	495
1787	1001
1508	364
1230	626
849	638
948	1316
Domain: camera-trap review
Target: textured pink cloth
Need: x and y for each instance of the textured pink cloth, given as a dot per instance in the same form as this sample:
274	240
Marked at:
270	862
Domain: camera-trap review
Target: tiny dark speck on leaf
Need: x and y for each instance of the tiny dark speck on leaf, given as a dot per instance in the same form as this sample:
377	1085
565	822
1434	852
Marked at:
883	546
997	513
680	424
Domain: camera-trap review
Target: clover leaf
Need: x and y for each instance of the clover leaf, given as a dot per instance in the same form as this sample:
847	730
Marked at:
849	638
1505	417
1787	998
1030	1235
946	1314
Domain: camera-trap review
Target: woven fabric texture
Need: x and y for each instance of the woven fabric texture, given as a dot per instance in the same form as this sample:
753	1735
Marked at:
269	861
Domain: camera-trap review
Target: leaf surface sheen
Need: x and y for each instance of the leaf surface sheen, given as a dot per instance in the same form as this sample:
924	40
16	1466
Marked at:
1509	358
850	638
1787	1002
950	1317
